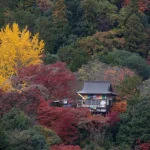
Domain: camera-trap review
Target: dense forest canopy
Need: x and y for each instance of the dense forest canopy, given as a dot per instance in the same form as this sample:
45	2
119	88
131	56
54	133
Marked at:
49	48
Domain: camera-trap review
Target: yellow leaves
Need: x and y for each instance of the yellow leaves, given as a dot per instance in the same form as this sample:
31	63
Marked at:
2	79
4	83
18	49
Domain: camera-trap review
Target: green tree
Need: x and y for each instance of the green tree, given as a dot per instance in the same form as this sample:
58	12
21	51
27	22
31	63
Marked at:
74	56
136	36
51	137
129	87
116	58
134	123
20	133
141	68
29	5
99	14
2	16
3	138
51	58
59	25
74	14
145	88
27	140
28	19
100	43
16	119
13	4
128	59
43	25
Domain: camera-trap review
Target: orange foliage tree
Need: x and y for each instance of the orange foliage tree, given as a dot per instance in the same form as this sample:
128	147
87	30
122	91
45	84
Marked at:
119	106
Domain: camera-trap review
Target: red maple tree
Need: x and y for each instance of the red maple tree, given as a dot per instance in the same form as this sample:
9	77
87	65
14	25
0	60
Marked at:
143	146
63	121
47	82
113	118
59	81
27	100
65	147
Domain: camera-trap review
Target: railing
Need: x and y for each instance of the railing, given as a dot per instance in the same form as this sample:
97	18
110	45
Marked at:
92	106
95	108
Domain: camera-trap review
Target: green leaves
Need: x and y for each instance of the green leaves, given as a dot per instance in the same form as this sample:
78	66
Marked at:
51	137
27	140
74	56
16	119
135	124
135	35
18	133
3	138
128	59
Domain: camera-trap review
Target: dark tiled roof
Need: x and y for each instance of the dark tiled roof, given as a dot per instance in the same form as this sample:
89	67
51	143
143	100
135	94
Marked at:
97	87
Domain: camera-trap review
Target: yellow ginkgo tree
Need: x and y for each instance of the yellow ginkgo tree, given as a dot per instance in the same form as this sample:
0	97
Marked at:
18	49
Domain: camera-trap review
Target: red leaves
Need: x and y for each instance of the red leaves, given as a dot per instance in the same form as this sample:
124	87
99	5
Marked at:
93	124
26	100
56	78
117	75
142	4
113	118
143	146
51	82
63	121
126	2
41	82
65	147
66	121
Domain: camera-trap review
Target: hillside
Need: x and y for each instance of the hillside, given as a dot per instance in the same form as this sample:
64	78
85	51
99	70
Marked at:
48	49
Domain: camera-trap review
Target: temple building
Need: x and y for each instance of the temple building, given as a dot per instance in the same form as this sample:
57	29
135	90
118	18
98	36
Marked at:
98	96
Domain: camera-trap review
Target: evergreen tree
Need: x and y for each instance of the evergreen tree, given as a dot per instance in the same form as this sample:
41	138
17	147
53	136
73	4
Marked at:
135	35
134	123
59	25
3	138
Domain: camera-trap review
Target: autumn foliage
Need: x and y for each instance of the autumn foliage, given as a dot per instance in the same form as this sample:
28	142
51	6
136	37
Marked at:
93	124
27	100
143	146
117	75
65	147
119	106
56	78
36	82
100	40
18	49
113	118
142	4
63	121
126	2
44	5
